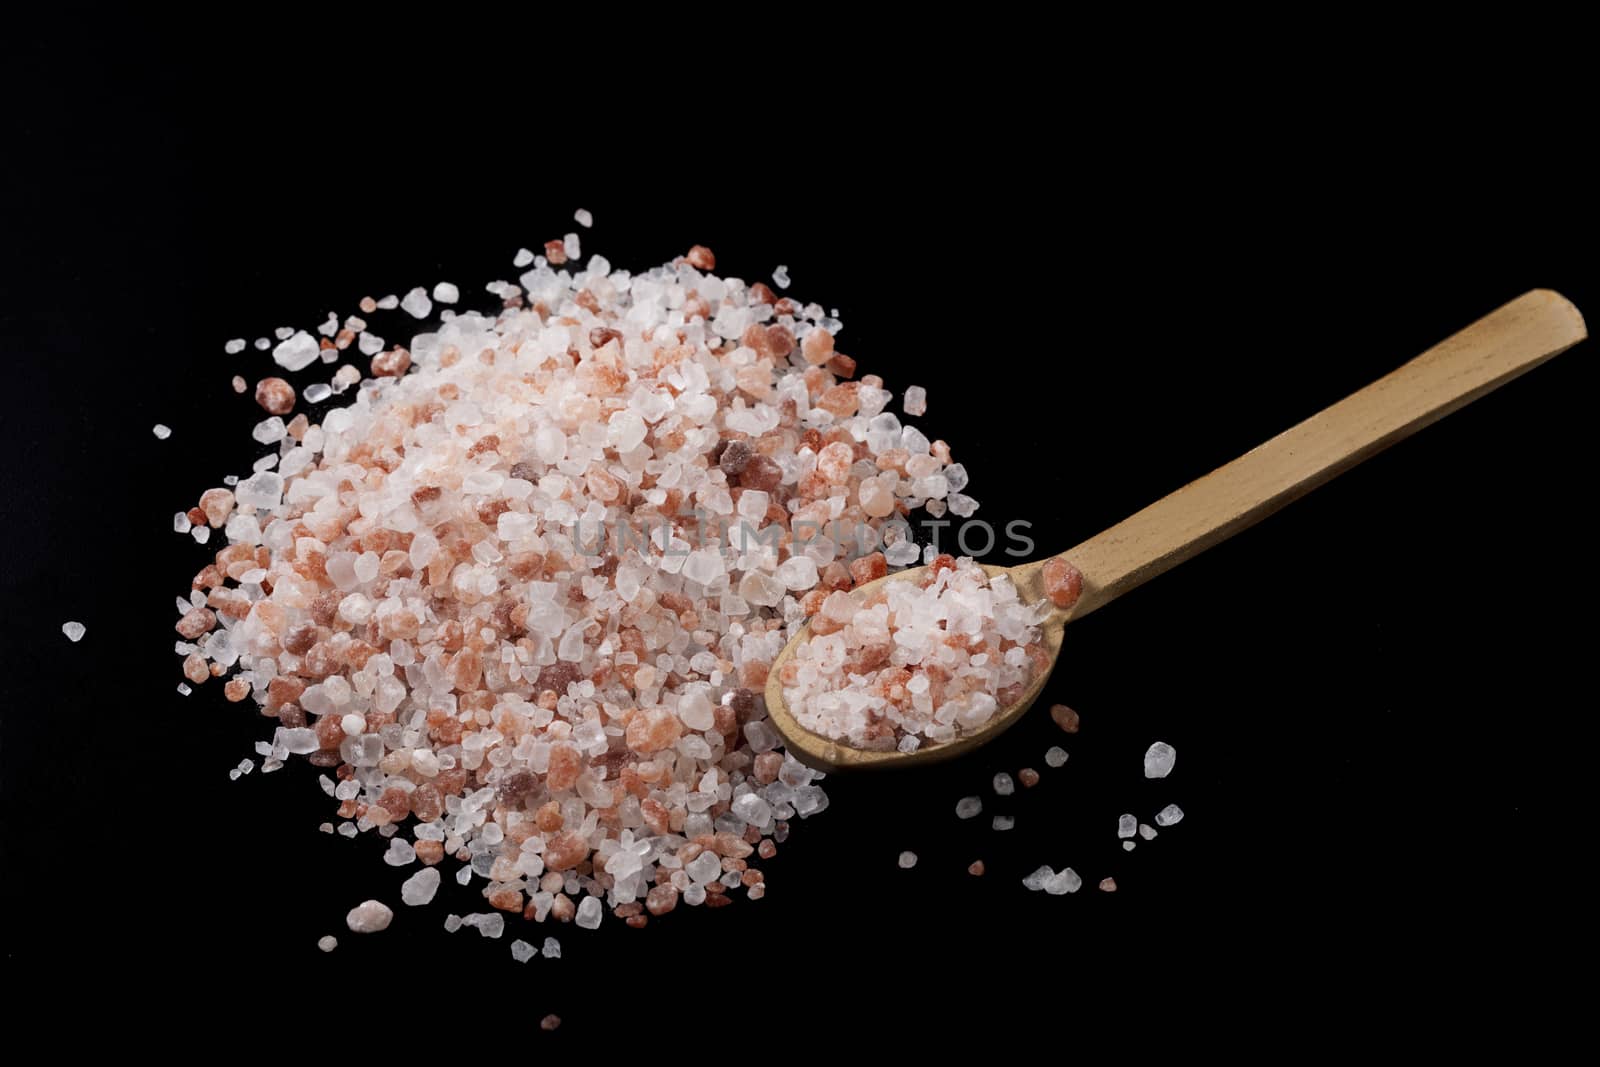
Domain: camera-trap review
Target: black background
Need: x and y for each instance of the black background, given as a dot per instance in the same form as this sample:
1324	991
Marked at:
1376	696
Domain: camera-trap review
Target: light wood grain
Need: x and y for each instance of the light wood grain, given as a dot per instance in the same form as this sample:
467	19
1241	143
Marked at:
1487	354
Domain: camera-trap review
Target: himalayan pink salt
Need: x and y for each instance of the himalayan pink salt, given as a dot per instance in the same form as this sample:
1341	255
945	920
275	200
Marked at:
1064	717
275	396
1108	885
239	384
549	1022
402	592
960	647
1028	777
976	869
1062	582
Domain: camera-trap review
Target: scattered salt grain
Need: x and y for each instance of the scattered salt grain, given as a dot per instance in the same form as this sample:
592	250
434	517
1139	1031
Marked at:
1064	717
1003	822
1129	846
201	534
549	1022
161	432
74	631
452	923
183	689
589	913
389	303
1003	786
1170	815
976	868
262	344
1065	881
1147	831
317	392
1127	826
327	943
420	887
907	860
571	246
916	401
369	917
446	293
522	952
1036	881
967	807
235	346
524	257
1108	885
239	384
1158	760
298	352
1055	756
416	303
552	949
780	277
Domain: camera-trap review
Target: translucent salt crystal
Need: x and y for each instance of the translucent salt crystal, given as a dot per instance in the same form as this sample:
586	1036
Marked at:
234	347
1066	881
797	573
752	809
491	925
416	303
183	689
161	431
909	743
1004	822
1036	881
369	917
327	942
583	218
522	952
552	949
1055	756
523	258
915	401
452	923
369	344
1127	826
446	293
1158	760
780	277
420	887
589	913
74	631
961	505
704	868
967	807
1129	846
297	352
1003	785
181	523
901	553
571	246
463	876
1147	831
1170	815
201	534
317	392
908	860
269	430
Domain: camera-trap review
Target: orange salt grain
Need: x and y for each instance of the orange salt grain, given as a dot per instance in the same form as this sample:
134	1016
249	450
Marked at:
275	396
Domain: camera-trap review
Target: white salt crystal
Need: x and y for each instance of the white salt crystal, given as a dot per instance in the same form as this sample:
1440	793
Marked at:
183	689
400	853
1129	846
201	534
446	293
1003	786
181	523
491	925
416	303
234	347
589	913
327	943
1127	826
908	860
298	352
389	303
916	401
74	631
269	430
552	949
369	917
262	344
317	392
524	257
1003	822
780	277
1067	881
522	952
452	923
161	432
1036	881
967	807
1055	756
583	218
1158	760
1170	815
370	344
570	245
1147	831
463	876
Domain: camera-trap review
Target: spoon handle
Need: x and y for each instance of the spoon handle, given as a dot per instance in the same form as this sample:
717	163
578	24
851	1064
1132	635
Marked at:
1503	344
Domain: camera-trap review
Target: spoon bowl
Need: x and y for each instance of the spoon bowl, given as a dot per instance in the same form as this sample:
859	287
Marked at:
1497	348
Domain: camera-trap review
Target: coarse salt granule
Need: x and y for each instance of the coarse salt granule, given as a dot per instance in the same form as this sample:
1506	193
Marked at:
446	293
907	860
1170	815
1055	756
1159	760
327	943
916	401
235	346
239	384
161	432
369	917
523	258
74	631
583	218
780	276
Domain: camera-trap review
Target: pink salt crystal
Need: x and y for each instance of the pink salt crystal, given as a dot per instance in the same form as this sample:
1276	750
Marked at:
239	384
549	1022
367	305
195	669
1108	885
1062	582
833	463
701	258
976	869
275	396
652	730
196	622
1064	717
661	899
1028	777
555	252
217	505
817	347
391	364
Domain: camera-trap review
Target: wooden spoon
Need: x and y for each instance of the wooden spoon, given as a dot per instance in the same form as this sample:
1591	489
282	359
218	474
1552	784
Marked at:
1492	351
